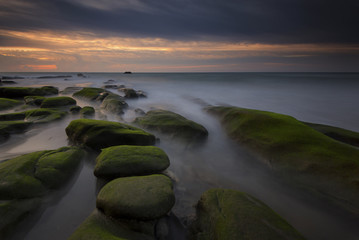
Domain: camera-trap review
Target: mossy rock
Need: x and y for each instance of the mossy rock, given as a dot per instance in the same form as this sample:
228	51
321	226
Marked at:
34	100
124	161
75	109
297	151
141	198
6	103
172	124
70	90
87	112
13	211
58	102
90	94
35	115
21	92
10	127
228	214
114	104
55	167
98	134
30	175
99	227
339	134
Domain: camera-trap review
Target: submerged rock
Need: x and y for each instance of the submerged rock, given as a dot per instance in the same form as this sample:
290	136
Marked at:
58	102
87	112
98	134
114	104
123	161
172	124
11	127
20	92
75	109
34	100
99	227
142	198
131	93
6	103
31	175
70	90
297	151
228	214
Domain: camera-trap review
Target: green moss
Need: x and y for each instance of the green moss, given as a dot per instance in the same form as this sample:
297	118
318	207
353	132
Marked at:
31	174
89	93
55	102
228	214
34	100
142	198
14	126
35	115
6	103
99	134
55	167
114	104
123	161
99	227
13	211
87	112
17	177
296	150
339	134
173	124
20	92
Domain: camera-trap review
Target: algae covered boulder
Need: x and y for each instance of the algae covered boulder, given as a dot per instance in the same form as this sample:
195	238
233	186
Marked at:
141	198
87	112
339	134
10	127
57	102
90	94
98	134
123	161
172	124
20	92
34	100
42	115
6	103
99	227
297	151
224	214
30	175
13	211
114	104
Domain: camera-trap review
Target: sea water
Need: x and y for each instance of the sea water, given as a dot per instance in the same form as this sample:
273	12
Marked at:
327	98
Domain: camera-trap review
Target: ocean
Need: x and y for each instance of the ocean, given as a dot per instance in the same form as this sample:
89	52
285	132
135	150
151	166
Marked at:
327	98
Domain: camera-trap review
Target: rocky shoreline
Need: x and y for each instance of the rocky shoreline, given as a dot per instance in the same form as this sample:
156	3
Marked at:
138	195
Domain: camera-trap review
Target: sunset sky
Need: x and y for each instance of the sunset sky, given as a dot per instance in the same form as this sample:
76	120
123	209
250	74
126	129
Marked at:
178	35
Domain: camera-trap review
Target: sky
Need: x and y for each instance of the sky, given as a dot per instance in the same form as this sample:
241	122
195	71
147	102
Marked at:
179	35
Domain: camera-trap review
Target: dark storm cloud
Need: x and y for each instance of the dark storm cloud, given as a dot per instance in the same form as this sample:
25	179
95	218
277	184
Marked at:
265	21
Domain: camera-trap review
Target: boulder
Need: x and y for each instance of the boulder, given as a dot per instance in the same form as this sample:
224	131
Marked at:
98	134
75	109
142	198
172	124
58	102
34	100
228	214
70	90
99	227
6	103
90	94
123	161
297	151
339	134
87	112
36	115
20	92
13	211
31	175
11	127
114	104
